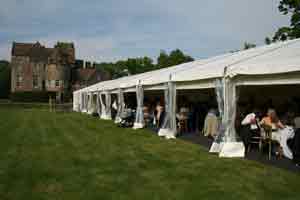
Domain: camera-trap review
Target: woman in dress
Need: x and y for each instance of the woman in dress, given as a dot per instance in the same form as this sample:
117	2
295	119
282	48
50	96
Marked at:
272	122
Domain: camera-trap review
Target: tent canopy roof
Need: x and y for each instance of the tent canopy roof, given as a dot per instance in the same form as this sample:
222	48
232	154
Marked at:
277	58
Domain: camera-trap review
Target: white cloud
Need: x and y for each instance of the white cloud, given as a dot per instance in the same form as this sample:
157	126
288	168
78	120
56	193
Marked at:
109	29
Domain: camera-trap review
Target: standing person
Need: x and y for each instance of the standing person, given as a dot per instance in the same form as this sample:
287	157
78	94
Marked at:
182	117
159	114
211	124
146	115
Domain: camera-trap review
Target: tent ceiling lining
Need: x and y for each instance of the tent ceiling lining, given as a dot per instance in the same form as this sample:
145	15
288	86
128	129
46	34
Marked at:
278	79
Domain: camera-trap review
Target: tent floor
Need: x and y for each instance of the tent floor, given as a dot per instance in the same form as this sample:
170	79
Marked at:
252	155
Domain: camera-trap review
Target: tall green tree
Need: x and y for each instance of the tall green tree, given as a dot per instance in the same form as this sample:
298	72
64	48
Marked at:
175	57
162	60
290	8
143	64
4	79
268	41
248	45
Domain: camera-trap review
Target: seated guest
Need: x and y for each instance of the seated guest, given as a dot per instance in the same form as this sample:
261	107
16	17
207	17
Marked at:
249	127
211	124
272	122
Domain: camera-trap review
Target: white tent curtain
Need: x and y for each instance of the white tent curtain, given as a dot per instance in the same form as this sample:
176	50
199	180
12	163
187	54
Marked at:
107	105
85	102
169	128
90	103
121	106
81	101
230	102
94	102
139	117
219	89
219	140
102	105
76	101
98	104
220	96
230	147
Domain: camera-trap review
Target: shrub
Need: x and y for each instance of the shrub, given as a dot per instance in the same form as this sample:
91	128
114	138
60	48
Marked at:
31	96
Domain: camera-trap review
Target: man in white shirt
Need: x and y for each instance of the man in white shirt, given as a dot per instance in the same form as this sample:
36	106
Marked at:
249	128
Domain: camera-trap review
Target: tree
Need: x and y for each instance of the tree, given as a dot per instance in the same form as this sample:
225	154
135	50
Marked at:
268	41
163	59
248	45
138	65
4	79
175	57
291	8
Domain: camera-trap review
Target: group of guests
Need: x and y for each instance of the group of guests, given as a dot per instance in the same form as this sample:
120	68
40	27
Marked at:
204	117
154	114
284	132
189	117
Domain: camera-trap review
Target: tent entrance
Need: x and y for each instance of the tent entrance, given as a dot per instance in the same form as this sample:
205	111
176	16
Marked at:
285	99
198	102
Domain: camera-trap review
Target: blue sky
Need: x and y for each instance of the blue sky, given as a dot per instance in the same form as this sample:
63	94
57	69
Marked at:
107	30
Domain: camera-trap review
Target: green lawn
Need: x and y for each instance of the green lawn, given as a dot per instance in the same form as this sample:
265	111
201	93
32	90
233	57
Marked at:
72	156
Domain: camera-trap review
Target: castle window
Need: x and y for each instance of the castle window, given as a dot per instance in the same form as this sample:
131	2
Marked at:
19	80
57	83
35	81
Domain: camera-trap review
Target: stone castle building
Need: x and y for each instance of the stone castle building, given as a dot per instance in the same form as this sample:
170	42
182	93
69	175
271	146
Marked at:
36	68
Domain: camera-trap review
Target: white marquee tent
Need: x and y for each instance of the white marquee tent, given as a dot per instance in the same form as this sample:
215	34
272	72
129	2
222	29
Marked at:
278	63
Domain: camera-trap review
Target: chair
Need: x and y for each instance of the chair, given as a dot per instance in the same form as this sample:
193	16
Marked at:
256	138
183	125
269	141
268	138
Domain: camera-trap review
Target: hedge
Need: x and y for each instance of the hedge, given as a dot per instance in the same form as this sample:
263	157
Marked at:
31	96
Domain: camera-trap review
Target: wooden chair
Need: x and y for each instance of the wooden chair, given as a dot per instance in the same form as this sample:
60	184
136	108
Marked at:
183	125
269	141
268	138
256	140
